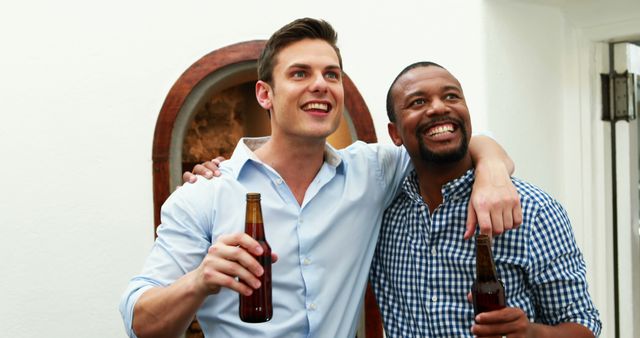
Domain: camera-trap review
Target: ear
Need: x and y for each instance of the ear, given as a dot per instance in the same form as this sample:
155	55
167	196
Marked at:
263	95
394	134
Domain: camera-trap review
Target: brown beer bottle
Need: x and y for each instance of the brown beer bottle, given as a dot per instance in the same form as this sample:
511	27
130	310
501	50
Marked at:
257	308
487	290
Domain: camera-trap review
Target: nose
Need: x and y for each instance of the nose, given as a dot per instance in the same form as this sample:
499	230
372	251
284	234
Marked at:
318	83
437	107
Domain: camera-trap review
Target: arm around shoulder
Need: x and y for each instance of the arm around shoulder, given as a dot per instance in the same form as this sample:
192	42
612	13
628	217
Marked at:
495	204
483	148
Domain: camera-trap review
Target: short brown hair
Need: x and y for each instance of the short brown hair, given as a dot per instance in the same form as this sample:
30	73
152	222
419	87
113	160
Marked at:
300	29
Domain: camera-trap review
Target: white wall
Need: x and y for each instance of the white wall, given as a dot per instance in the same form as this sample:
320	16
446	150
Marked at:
549	55
525	80
81	85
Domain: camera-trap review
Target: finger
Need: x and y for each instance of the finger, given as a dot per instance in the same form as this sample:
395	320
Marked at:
233	269
470	297
274	257
213	167
497	225
517	214
239	254
201	170
507	219
508	329
507	314
484	222
188	177
224	279
485	331
235	254
243	240
471	222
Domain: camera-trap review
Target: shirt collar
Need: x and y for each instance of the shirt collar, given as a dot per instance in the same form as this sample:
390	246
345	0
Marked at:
244	153
452	190
460	187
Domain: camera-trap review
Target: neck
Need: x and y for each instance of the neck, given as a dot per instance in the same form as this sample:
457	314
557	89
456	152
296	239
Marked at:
433	176
296	160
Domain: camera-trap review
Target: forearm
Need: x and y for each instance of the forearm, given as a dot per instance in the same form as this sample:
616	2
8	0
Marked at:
573	330
486	151
167	311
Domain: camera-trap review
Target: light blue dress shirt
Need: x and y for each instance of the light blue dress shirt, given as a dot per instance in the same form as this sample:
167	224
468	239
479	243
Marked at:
324	246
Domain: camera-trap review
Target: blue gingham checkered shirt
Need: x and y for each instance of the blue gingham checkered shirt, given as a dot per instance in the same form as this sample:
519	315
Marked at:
423	268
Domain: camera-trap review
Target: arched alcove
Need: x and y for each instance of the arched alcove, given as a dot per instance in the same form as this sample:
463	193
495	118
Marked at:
212	105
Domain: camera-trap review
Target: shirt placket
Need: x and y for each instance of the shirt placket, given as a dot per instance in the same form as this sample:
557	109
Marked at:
309	269
423	266
434	297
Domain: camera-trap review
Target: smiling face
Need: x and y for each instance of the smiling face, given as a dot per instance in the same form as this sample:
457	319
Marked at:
307	97
432	118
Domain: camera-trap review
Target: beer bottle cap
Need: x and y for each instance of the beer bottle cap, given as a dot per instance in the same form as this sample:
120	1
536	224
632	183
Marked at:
253	196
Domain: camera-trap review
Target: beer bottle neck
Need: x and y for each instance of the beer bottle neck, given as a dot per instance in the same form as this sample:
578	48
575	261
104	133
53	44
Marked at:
253	220
485	267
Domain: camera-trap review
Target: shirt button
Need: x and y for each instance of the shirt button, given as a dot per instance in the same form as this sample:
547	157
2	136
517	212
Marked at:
278	181
434	251
300	220
434	299
312	306
306	261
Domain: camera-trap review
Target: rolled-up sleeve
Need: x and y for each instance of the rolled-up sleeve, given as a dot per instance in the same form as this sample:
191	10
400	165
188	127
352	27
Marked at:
558	273
183	240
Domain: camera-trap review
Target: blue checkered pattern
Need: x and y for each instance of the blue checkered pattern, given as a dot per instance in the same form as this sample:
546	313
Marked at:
423	268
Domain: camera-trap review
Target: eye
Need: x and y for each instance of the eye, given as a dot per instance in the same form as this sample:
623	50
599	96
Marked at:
451	96
332	75
417	102
298	74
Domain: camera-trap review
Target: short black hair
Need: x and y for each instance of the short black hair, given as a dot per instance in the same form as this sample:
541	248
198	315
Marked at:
390	111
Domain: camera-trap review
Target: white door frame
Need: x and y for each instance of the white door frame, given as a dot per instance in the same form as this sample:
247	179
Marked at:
590	49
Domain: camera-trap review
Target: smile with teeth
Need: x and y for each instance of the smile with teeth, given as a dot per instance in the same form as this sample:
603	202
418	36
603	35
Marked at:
440	129
316	106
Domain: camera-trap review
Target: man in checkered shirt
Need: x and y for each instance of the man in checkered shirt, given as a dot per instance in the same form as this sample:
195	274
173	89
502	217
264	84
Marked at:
423	268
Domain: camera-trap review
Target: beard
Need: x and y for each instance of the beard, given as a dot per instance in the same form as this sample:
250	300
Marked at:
451	156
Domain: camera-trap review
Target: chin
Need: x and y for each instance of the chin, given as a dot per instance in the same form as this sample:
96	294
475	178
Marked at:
449	155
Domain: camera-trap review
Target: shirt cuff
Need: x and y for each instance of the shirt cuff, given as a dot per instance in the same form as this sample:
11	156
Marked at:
127	303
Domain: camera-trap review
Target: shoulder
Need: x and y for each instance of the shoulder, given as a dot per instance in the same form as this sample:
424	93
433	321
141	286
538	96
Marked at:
202	192
379	155
542	214
360	148
531	194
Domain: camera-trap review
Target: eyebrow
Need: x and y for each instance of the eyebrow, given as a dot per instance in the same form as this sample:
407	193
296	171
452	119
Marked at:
306	66
452	87
443	88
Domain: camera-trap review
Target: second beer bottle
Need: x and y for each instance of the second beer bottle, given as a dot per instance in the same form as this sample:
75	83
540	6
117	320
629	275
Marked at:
487	290
257	308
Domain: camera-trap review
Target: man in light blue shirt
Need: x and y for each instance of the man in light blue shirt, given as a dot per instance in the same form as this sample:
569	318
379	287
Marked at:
322	209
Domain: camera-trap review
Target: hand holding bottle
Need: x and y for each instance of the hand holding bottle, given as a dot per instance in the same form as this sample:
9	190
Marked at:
231	256
509	322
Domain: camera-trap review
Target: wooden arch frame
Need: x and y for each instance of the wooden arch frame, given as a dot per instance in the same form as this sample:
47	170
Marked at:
209	64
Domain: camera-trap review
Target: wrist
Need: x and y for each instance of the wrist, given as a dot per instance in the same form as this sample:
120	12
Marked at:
492	172
195	285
